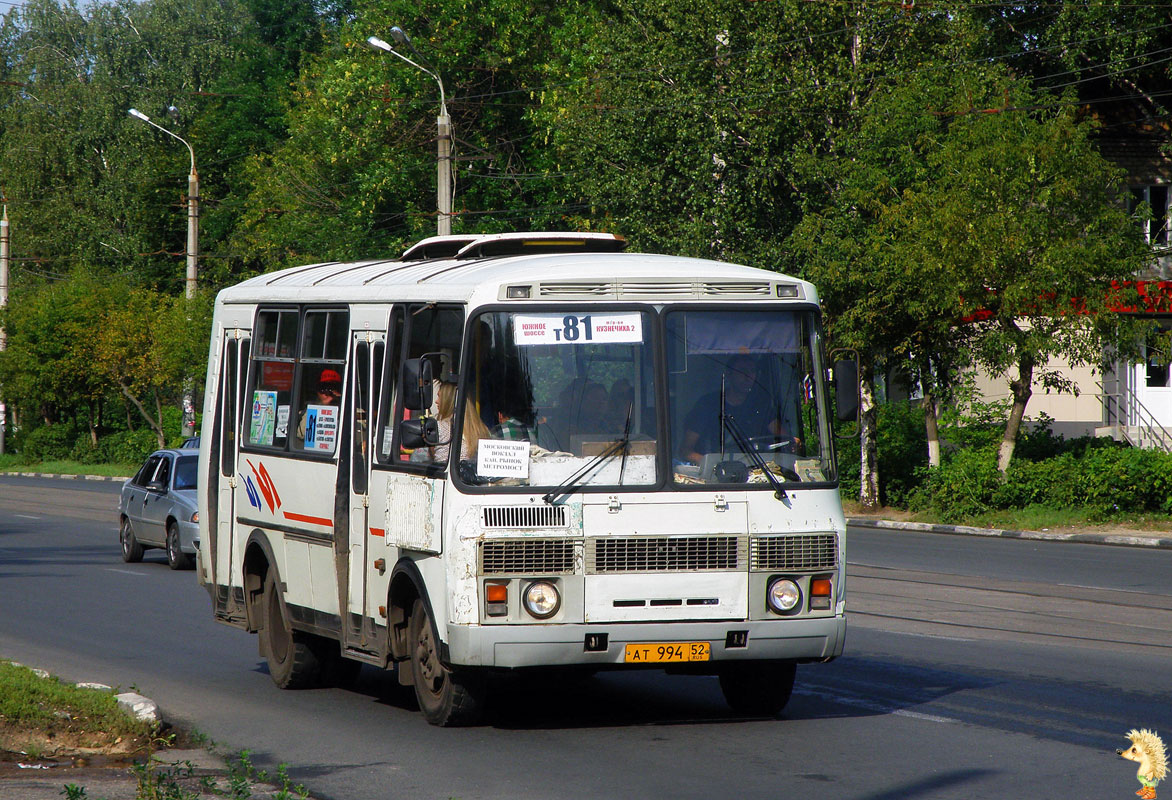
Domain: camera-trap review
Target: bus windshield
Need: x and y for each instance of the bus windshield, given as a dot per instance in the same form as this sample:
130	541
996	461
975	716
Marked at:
747	394
557	390
573	391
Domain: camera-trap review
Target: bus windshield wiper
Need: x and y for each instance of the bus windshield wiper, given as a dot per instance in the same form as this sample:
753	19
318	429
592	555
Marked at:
727	421
572	483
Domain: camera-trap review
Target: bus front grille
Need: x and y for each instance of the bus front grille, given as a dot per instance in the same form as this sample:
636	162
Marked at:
528	556
795	552
665	554
524	516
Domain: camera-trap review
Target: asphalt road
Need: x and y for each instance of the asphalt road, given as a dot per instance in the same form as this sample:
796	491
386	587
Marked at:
974	668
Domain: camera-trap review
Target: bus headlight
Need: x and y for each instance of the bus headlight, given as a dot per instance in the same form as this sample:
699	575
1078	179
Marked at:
783	595
541	599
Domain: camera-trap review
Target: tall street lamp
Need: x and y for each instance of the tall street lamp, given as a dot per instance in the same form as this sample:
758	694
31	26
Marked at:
192	258
3	305
443	185
192	206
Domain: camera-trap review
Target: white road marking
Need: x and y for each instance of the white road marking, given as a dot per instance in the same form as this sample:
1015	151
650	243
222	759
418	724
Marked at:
25	516
126	572
930	636
1102	588
871	705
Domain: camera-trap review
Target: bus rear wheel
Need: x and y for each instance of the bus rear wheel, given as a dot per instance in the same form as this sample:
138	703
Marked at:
757	688
290	655
446	697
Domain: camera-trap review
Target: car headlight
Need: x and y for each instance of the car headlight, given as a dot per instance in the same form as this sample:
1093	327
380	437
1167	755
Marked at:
195	517
783	595
541	599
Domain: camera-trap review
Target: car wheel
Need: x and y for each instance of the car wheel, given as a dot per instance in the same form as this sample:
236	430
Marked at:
290	656
446	697
131	549
757	688
176	558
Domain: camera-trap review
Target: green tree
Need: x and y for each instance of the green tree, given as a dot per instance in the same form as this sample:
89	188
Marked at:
146	347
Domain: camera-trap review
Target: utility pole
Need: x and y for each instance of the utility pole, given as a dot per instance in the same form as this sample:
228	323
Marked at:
192	258
3	305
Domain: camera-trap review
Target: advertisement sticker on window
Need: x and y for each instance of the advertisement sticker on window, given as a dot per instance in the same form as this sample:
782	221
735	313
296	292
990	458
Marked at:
321	428
264	418
593	328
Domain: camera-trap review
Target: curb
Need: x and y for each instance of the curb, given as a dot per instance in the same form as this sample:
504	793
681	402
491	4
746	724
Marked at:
1125	540
68	476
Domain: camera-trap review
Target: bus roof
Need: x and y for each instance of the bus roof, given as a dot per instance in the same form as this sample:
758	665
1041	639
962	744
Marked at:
466	268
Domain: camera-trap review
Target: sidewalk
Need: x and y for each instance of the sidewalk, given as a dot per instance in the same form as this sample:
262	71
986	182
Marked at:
1126	537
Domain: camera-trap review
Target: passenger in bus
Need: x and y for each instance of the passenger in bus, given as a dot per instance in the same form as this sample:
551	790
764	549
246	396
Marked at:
329	393
473	428
592	412
510	426
622	396
749	407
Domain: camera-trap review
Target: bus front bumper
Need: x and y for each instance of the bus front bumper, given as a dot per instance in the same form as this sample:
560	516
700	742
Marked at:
515	646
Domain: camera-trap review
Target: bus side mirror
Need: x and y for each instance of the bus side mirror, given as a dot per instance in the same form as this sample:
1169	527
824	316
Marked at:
421	432
846	389
417	391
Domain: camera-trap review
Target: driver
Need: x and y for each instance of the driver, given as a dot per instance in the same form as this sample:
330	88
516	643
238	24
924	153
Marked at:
748	406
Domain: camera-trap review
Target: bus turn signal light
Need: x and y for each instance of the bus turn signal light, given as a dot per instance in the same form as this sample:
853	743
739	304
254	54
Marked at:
496	599
820	593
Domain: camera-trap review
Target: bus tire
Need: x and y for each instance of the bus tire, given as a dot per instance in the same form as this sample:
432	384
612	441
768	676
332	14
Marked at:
292	662
131	549
757	688
176	558
446	697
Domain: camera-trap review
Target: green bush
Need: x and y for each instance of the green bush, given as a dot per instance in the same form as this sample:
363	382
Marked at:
903	452
126	447
46	442
1105	481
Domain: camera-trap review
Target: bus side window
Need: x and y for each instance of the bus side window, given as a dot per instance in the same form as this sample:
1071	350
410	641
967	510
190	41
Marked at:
434	331
384	432
274	361
322	367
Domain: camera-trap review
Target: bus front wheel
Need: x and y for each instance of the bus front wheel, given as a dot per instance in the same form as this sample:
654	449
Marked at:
757	688
446	697
290	656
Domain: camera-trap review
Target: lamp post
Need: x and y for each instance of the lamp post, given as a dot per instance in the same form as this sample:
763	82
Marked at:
192	257
443	184
3	305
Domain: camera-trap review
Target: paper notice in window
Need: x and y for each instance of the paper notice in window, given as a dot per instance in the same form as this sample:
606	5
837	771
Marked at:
497	459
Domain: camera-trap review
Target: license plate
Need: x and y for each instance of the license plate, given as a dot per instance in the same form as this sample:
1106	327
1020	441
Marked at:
666	652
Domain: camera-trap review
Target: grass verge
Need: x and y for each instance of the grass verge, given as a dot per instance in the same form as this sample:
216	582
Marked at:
1030	518
13	463
44	717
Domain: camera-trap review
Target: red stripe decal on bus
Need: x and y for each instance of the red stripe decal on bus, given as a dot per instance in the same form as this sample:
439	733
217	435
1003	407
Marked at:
378	532
264	473
329	523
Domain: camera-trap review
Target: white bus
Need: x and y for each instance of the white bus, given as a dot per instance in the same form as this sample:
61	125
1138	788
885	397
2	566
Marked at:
524	450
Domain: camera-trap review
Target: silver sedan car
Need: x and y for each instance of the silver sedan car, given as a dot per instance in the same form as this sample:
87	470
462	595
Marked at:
158	509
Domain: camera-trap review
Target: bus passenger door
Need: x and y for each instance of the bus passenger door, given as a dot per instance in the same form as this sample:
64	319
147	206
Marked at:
367	358
221	548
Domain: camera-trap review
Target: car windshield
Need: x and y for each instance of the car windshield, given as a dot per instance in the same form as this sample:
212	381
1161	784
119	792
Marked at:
746	394
555	390
185	472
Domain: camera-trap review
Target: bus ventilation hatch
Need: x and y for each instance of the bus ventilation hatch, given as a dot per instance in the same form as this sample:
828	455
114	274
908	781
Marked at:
525	517
665	554
529	556
804	552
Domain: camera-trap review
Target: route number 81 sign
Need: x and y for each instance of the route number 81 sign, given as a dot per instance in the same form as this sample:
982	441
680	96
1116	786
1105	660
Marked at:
603	328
